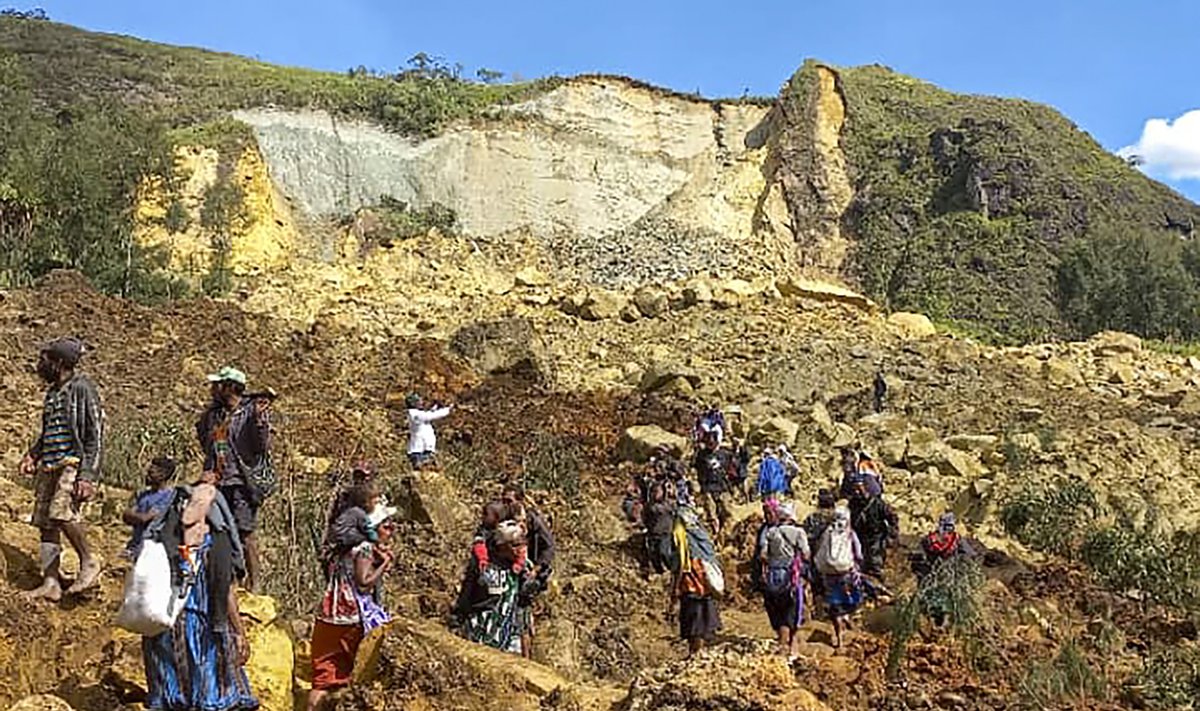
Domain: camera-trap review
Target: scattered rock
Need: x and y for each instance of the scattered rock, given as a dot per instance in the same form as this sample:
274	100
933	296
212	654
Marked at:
602	305
651	301
1108	343
638	442
912	325
531	276
777	430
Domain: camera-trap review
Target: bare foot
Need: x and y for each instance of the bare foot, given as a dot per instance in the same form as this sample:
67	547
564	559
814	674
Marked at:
89	574
49	590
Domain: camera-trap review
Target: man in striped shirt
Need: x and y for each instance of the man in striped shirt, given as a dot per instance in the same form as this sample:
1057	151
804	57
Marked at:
65	464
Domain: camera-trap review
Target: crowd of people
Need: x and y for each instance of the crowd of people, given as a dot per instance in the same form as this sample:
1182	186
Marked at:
196	659
837	554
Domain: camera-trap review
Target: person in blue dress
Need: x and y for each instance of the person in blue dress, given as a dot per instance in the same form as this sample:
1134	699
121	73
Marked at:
199	664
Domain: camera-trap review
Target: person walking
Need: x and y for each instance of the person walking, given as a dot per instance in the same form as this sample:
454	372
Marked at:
783	552
65	464
539	544
350	607
694	555
235	437
200	662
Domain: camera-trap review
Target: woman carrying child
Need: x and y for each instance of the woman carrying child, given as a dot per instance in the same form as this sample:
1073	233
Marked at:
357	559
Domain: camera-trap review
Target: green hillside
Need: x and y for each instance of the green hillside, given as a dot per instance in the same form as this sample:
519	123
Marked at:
87	117
998	216
1001	216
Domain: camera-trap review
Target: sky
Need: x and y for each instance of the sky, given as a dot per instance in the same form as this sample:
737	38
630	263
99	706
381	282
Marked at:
1126	72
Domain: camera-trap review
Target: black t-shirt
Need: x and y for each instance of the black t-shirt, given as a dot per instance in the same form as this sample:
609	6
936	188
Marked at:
710	466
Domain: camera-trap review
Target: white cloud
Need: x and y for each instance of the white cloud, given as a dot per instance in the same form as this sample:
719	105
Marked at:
1170	148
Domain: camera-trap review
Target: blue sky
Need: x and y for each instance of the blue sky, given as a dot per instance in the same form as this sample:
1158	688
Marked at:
1111	66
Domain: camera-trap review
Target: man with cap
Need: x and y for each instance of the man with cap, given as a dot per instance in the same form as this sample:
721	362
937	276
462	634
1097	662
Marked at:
235	436
65	463
422	440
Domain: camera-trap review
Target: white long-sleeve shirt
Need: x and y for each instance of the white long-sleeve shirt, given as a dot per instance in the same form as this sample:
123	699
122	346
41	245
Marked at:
421	437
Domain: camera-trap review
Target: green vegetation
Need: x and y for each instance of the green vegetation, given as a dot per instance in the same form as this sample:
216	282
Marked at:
1169	679
68	182
87	119
1001	215
131	445
1068	676
190	86
952	596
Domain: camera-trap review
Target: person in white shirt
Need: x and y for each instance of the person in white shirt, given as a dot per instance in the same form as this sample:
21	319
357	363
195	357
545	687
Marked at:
422	440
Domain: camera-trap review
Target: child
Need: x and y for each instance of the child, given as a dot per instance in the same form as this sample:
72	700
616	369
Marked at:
148	504
495	513
353	526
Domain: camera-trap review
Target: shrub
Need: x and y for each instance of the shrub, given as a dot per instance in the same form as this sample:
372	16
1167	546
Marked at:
950	595
552	463
1169	678
1067	676
1051	517
130	446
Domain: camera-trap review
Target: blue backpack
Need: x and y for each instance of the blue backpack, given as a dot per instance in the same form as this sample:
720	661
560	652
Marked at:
771	476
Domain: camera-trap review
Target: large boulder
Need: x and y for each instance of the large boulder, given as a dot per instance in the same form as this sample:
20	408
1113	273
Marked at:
505	346
602	305
530	276
1110	343
823	292
651	301
661	374
428	497
1062	372
639	442
912	325
775	431
981	444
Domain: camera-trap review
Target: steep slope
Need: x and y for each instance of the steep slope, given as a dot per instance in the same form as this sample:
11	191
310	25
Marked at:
972	209
996	215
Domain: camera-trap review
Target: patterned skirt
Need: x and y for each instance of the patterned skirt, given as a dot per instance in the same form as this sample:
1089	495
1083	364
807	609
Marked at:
193	667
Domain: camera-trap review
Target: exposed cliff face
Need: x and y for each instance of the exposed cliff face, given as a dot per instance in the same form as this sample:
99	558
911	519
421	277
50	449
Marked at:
605	174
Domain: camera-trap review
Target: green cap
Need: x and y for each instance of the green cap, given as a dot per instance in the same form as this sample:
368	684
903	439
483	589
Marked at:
228	374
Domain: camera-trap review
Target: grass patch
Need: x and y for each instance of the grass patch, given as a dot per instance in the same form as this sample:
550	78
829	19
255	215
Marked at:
191	86
1067	677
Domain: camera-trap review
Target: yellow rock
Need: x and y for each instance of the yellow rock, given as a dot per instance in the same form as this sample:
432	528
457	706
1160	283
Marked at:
272	660
912	325
41	702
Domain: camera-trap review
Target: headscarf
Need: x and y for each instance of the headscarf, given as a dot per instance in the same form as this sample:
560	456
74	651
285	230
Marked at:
946	522
508	533
841	521
787	512
771	506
